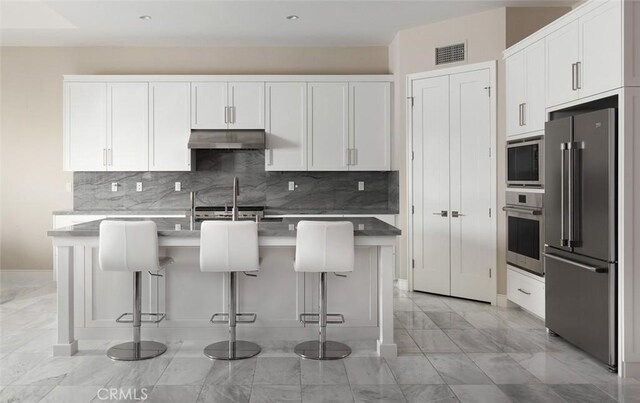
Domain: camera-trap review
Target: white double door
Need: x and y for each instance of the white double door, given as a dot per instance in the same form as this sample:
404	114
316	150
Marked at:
453	231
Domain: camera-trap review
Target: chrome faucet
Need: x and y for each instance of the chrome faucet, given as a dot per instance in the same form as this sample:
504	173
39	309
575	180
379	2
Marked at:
192	217
236	193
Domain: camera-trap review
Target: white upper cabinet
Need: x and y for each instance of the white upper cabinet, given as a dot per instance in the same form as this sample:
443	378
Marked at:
601	47
562	58
169	126
246	105
128	127
85	126
222	105
140	123
209	107
370	126
535	101
525	90
328	128
516	84
286	127
584	57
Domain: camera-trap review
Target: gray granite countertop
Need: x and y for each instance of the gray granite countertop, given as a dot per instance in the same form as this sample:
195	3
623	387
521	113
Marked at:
121	212
268	211
285	227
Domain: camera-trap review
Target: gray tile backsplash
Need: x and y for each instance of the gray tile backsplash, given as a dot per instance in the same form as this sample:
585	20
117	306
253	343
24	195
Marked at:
316	192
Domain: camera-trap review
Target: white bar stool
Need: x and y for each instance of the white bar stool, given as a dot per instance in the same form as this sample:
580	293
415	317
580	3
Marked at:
230	246
132	246
324	246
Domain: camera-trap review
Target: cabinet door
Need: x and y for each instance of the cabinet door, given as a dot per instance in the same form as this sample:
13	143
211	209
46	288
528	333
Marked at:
516	82
85	126
601	47
169	121
562	52
209	106
534	106
246	102
328	132
286	124
370	126
128	124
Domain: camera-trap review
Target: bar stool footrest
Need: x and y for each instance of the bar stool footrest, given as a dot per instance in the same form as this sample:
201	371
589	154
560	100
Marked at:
240	318
159	317
339	318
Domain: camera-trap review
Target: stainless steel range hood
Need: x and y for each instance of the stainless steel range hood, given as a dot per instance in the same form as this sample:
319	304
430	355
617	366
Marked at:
226	140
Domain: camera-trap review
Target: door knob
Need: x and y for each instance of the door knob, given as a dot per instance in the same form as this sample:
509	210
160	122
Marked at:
442	213
456	214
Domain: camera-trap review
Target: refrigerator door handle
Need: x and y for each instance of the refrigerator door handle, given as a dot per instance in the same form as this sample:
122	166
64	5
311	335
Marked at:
570	196
593	269
563	147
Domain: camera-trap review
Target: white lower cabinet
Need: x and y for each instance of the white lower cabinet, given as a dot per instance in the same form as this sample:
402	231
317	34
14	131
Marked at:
526	290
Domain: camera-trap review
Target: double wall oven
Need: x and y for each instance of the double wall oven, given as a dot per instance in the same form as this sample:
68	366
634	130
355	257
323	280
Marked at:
524	206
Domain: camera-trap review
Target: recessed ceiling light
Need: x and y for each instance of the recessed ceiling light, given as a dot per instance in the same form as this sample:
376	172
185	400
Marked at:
145	17
292	17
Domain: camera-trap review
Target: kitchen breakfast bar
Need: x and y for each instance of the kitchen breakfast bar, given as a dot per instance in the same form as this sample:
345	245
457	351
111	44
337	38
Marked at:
89	299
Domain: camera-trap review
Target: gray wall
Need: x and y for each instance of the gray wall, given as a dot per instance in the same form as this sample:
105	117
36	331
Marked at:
316	192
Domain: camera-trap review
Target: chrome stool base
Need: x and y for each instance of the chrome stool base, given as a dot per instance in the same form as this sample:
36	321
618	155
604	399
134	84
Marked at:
132	351
238	350
332	350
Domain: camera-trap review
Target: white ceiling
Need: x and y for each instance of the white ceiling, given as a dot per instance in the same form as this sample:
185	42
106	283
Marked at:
226	23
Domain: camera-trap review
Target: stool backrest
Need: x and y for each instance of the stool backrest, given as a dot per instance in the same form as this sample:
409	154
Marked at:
128	246
229	246
324	246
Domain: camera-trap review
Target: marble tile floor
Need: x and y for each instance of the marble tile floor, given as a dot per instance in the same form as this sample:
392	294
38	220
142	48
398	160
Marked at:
450	350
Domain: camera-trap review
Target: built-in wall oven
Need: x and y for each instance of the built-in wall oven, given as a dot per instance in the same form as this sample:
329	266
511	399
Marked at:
525	231
525	163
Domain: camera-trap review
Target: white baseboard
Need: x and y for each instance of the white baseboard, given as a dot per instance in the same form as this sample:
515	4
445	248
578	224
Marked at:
403	284
24	278
503	302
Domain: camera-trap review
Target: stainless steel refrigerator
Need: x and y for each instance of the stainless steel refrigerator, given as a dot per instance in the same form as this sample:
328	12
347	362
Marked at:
580	231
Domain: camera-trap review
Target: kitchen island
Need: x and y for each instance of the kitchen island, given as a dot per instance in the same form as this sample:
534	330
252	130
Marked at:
89	299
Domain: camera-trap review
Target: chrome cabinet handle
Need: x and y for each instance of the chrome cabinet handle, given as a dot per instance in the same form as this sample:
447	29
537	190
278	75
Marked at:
523	291
524	114
348	155
456	214
442	213
578	75
519	114
269	156
104	157
226	114
233	114
109	157
354	156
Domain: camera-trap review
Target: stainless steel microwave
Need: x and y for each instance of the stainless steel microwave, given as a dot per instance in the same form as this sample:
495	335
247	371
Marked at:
525	163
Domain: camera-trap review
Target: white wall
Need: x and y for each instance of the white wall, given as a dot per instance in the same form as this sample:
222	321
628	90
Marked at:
33	183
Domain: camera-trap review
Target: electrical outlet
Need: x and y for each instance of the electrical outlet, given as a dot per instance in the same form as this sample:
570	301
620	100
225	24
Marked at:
292	186
360	185
178	227
138	186
178	186
114	186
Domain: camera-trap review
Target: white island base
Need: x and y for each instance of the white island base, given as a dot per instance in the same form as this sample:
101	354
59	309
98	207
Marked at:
89	300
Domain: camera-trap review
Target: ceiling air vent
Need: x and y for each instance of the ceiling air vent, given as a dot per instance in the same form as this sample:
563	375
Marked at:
450	54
